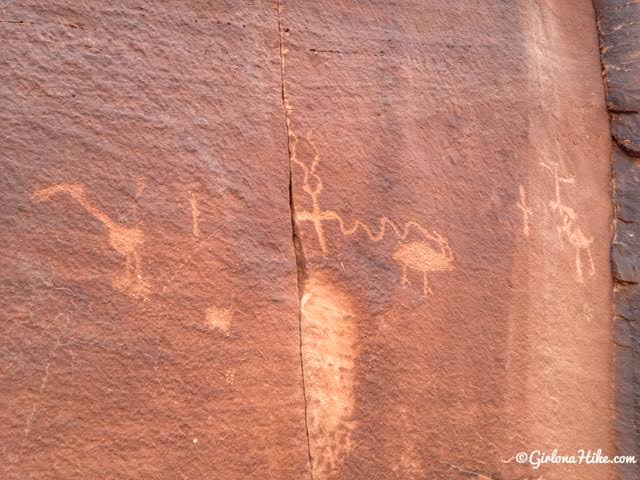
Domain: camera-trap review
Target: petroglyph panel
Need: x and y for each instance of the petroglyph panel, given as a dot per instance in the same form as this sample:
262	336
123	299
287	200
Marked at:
144	196
436	265
430	254
568	227
415	155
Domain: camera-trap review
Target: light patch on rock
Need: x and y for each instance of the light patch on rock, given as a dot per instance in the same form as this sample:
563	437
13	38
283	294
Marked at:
230	376
219	319
195	215
329	351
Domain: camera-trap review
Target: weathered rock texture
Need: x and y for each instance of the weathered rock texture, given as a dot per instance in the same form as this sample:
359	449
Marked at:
619	27
325	240
149	303
450	178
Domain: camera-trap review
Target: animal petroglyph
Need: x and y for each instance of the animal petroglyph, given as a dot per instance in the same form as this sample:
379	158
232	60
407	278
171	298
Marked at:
569	229
422	258
431	254
526	211
126	241
329	352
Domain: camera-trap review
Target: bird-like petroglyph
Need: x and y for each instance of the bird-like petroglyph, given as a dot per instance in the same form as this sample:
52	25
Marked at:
423	258
568	228
431	253
526	211
126	241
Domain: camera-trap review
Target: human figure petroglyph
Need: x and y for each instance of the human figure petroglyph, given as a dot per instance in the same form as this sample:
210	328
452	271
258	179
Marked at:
569	229
316	215
431	254
195	215
126	241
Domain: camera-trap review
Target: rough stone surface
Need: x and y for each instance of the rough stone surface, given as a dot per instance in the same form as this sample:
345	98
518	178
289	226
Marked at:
619	28
625	261
626	172
625	266
619	31
148	294
295	240
625	128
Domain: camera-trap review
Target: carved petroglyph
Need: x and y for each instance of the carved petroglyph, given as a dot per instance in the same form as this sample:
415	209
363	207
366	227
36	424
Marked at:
422	258
329	351
431	254
195	215
526	211
312	186
230	376
569	229
219	319
126	241
140	188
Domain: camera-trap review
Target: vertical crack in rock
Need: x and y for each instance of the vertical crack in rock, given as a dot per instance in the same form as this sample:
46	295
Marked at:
297	246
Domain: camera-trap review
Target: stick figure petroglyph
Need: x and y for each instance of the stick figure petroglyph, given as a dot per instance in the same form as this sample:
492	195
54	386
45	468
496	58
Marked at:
124	240
569	229
429	255
526	211
195	215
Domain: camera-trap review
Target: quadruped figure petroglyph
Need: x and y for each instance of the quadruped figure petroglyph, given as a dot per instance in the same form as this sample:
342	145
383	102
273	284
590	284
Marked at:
432	254
126	241
569	229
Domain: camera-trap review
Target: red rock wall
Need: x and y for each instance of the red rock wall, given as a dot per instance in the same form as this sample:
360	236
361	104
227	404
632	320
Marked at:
327	240
450	180
150	310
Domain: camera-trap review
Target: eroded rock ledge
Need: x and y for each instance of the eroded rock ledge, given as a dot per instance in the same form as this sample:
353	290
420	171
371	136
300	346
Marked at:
619	27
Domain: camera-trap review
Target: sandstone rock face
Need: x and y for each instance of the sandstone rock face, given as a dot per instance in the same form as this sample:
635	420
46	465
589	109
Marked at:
304	240
150	313
450	184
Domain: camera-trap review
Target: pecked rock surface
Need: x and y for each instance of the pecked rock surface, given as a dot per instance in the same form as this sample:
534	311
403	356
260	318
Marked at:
303	240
